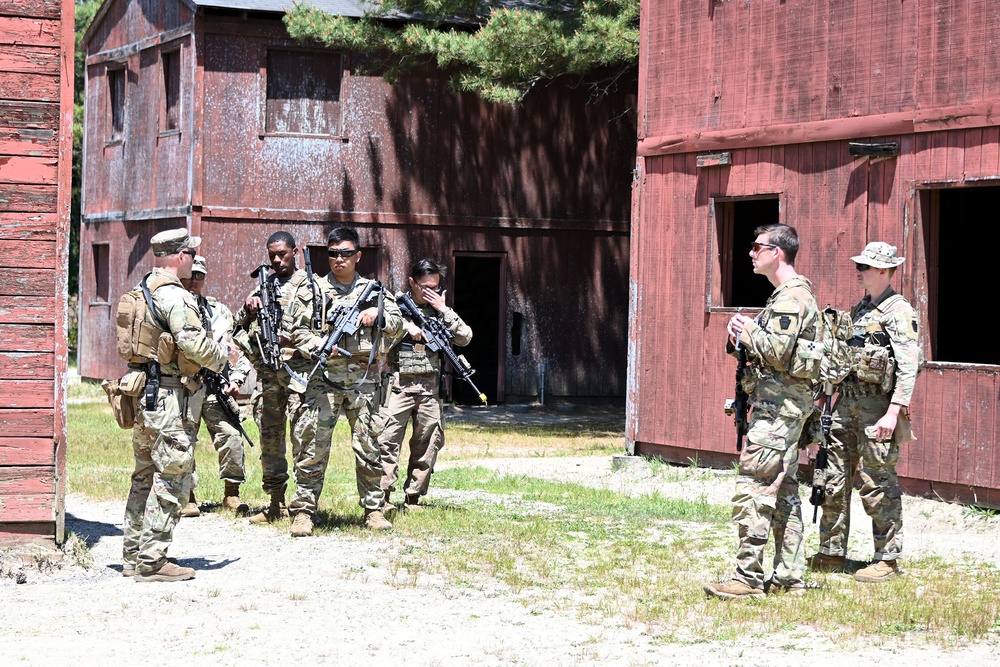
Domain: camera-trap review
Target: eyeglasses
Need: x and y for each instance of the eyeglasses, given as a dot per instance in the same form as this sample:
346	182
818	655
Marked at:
343	254
190	253
862	267
756	246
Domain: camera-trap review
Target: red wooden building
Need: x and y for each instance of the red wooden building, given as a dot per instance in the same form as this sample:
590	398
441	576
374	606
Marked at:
746	115
36	146
204	113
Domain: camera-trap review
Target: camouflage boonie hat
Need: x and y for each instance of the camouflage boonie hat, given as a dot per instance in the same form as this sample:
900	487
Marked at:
199	265
173	241
880	255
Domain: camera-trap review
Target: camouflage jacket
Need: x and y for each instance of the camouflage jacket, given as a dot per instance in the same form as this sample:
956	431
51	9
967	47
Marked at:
898	319
246	323
220	320
415	355
307	341
178	309
791	312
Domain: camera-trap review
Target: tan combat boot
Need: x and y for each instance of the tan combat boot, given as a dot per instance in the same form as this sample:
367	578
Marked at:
732	589
191	509
413	504
302	525
231	499
167	572
821	561
882	570
375	520
275	511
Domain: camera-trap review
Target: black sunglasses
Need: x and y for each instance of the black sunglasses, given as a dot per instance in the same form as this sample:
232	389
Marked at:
344	254
862	267
192	253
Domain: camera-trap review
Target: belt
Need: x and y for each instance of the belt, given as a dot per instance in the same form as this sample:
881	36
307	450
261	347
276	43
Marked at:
171	382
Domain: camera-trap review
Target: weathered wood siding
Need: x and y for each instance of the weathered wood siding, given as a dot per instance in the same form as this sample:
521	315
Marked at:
36	70
769	82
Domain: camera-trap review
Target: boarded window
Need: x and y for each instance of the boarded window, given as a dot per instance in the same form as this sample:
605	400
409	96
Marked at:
101	263
953	268
116	102
303	92
171	62
735	285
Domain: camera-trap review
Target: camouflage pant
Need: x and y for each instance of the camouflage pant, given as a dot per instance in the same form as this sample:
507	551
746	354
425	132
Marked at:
313	420
875	462
271	400
163	442
767	493
227	441
425	442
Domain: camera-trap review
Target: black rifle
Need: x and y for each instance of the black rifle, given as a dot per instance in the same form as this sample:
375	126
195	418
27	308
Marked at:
269	322
216	384
317	320
343	321
739	406
438	339
818	494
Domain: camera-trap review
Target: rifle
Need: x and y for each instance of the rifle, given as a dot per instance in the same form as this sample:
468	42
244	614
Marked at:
269	321
343	320
317	320
438	339
818	494
738	407
216	384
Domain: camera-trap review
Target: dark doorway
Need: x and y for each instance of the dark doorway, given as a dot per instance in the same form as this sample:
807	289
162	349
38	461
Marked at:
736	221
477	288
957	236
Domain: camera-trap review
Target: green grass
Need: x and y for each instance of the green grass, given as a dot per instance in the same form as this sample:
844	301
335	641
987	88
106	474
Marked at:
573	549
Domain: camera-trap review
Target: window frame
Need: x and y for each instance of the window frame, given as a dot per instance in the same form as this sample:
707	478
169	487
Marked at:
263	130
719	274
101	269
113	70
173	50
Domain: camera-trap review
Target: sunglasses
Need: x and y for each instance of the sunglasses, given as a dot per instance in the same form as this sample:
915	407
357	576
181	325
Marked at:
862	267
190	253
343	254
756	247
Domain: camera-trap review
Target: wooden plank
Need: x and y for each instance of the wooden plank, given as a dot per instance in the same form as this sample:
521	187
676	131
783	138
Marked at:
29	59
27	310
26	480
28	170
28	198
27	452
26	423
30	142
28	115
29	30
46	9
19	533
28	226
26	365
27	282
986	415
27	393
989	153
27	508
26	338
27	255
38	87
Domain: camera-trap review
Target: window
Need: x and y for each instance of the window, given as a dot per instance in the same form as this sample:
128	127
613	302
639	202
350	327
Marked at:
116	99
170	116
101	283
734	284
302	93
955	270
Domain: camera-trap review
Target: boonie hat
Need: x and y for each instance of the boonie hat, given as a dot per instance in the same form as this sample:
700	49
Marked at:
199	265
880	255
173	241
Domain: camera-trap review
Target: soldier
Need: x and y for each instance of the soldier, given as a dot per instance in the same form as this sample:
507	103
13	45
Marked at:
415	391
782	366
866	419
218	321
353	383
272	397
165	431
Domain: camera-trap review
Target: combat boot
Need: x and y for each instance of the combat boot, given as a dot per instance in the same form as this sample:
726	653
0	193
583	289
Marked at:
375	520
882	570
302	525
275	511
167	572
231	499
413	504
821	561
732	589
191	509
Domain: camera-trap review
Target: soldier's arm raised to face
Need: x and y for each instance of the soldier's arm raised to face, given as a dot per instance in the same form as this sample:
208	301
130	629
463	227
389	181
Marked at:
457	326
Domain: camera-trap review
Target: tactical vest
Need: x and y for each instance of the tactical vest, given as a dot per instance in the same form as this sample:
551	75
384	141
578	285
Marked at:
416	359
138	331
872	361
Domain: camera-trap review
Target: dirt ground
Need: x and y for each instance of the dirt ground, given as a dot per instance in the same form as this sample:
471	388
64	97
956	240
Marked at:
261	597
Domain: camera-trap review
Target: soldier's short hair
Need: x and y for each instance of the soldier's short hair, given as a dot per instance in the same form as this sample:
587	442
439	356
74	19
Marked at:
783	236
281	237
338	234
425	267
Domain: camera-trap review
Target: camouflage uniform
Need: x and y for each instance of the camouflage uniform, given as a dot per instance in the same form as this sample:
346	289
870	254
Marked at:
415	393
271	398
859	408
767	495
163	439
226	439
315	415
